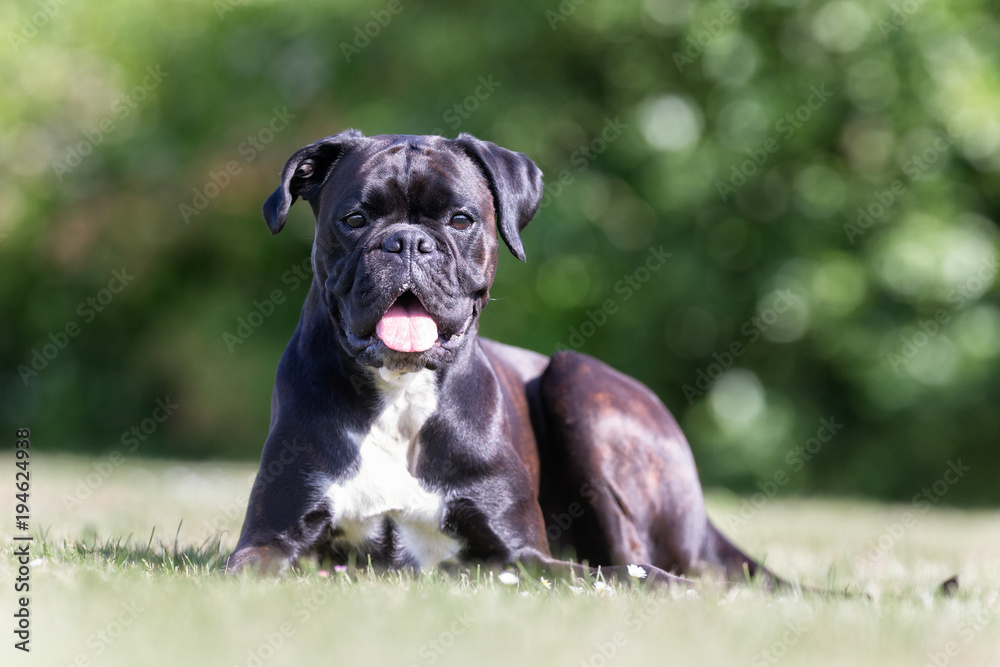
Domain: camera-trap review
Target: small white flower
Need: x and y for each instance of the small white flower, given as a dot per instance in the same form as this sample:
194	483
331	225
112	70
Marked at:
577	590
636	571
507	578
602	588
545	582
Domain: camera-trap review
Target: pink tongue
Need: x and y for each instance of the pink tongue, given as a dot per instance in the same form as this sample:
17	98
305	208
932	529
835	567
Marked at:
407	328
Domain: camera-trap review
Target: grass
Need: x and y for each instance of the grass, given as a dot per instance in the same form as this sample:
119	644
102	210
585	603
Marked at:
128	572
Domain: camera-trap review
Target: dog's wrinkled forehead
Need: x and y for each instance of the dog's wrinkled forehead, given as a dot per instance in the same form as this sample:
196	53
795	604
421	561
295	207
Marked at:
407	176
420	174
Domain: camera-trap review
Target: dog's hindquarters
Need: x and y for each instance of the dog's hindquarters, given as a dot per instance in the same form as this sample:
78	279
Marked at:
621	482
719	552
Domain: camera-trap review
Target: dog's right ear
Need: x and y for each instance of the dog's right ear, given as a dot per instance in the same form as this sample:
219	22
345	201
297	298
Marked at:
304	175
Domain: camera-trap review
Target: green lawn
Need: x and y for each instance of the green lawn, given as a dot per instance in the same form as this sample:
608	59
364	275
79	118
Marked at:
105	594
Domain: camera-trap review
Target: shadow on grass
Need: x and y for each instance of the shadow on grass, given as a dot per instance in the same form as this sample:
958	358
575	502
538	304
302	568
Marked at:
152	555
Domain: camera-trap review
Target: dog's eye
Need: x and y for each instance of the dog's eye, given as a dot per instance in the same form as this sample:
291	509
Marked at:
355	220
304	170
461	221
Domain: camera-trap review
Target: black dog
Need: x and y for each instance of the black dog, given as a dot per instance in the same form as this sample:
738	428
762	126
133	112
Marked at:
397	435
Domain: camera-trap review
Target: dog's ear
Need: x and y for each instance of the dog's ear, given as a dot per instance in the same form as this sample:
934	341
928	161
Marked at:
516	184
304	174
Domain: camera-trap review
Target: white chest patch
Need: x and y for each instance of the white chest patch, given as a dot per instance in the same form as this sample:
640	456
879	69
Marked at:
384	486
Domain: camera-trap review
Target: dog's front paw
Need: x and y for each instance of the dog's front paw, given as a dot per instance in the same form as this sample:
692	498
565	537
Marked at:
265	559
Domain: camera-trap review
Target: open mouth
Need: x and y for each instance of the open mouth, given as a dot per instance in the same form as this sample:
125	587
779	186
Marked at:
407	326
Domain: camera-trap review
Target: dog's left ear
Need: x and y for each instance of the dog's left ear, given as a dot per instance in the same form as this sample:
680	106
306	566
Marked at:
304	174
516	184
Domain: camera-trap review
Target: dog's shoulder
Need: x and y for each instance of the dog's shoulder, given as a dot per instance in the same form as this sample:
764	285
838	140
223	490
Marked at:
514	362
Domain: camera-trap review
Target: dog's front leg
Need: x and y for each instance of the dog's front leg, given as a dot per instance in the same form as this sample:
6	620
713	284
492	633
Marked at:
285	516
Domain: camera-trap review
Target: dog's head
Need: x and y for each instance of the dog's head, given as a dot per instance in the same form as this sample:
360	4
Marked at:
406	236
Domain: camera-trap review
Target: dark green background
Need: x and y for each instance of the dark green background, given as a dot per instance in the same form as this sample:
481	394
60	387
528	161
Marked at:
895	83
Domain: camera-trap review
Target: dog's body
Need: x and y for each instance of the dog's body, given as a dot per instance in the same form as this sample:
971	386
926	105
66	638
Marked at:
397	435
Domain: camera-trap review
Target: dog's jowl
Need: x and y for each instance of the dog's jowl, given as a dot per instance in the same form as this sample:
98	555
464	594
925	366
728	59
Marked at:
419	443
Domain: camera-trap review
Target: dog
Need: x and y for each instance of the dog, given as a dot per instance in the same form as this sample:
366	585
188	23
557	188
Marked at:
402	439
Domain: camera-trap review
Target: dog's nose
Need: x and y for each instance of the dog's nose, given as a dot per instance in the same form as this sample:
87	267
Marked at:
409	241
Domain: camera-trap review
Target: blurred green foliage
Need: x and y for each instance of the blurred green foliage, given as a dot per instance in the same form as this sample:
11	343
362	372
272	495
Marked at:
823	175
